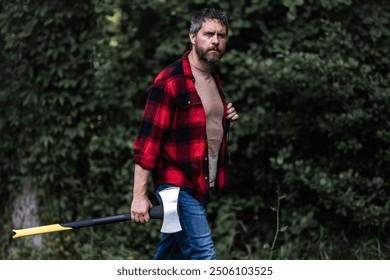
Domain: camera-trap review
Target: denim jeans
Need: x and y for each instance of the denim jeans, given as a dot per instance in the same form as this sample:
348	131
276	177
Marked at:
194	242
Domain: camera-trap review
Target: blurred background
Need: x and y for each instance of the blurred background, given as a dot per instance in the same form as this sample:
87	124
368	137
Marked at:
310	156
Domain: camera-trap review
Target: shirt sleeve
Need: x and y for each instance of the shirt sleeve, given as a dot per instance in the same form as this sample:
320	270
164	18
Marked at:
155	123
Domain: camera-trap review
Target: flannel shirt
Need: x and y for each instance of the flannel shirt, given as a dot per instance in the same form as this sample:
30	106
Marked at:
172	140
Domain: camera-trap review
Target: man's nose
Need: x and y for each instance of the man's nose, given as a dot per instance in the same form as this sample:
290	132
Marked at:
215	40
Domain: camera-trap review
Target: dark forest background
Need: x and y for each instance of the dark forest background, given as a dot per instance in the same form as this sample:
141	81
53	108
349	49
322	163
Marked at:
310	157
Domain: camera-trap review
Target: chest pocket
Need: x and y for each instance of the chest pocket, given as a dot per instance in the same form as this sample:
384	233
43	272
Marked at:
187	100
190	110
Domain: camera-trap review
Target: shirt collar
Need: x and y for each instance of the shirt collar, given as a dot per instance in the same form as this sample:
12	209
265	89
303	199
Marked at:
187	66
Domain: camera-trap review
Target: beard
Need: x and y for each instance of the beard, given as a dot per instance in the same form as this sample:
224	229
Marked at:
208	56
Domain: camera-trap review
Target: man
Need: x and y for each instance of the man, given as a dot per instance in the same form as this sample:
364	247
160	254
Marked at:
182	139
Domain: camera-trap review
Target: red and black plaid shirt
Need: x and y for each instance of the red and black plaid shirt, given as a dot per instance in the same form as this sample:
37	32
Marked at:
172	139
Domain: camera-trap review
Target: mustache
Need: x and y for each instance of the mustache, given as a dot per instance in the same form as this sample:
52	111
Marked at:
214	49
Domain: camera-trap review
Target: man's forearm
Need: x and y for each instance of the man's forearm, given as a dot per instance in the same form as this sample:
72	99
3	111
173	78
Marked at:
141	203
141	177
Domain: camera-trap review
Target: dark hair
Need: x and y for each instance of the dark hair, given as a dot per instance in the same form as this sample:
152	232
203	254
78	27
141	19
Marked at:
208	13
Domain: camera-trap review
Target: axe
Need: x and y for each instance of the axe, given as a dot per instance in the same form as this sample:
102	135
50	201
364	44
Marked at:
168	212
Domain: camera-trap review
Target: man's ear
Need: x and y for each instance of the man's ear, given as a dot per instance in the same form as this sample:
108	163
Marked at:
192	37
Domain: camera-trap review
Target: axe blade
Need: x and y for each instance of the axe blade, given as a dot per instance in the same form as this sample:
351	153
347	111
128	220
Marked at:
171	221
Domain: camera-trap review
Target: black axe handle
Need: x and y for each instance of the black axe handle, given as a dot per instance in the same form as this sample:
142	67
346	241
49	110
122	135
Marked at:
156	212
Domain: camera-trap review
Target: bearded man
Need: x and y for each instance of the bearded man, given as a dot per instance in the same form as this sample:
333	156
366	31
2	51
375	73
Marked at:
182	140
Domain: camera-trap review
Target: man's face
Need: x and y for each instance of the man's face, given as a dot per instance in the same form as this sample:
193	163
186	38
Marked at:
210	41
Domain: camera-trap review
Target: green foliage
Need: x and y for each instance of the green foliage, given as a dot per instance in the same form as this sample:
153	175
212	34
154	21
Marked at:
309	79
315	124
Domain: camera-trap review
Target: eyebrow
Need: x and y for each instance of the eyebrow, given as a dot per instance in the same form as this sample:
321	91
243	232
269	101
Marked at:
213	32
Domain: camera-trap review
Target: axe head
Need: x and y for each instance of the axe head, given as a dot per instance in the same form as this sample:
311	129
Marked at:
171	222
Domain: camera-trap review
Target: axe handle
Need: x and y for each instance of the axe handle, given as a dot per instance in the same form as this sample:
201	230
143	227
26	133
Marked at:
156	212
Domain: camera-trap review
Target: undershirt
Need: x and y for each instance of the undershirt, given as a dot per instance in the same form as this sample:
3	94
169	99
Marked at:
213	107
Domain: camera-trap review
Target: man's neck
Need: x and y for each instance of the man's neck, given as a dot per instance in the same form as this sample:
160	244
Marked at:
196	62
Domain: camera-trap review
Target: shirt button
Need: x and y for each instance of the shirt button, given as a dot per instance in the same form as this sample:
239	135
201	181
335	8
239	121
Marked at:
205	158
189	102
205	178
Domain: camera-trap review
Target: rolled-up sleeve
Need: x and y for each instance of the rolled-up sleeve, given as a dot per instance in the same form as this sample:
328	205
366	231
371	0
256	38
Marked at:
155	124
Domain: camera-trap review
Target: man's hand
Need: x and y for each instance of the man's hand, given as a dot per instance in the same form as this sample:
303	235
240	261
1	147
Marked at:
140	209
232	115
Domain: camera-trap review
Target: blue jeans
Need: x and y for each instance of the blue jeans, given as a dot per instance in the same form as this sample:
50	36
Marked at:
194	242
